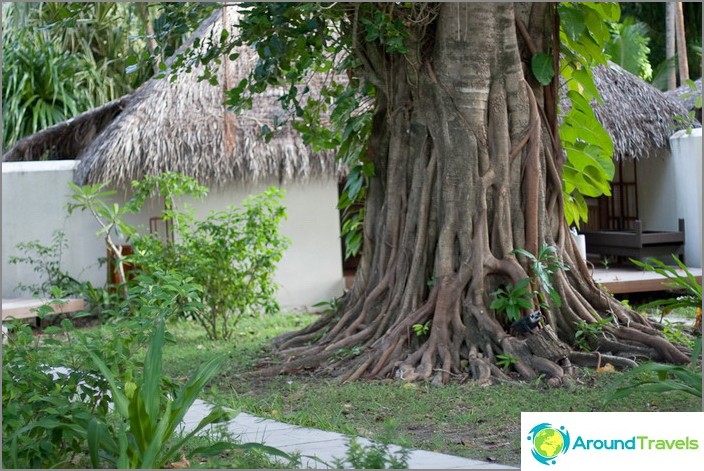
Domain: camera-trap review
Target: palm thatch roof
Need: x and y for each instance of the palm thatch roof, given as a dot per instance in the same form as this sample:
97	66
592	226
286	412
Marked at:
183	126
639	118
66	140
688	97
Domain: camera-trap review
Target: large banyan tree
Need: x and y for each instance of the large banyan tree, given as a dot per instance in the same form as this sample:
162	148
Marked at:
449	119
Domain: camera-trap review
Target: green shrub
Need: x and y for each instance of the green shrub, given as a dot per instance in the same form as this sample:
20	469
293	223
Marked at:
228	259
46	261
231	254
40	421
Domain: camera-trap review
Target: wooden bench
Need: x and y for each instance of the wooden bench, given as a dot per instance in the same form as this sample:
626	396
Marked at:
22	308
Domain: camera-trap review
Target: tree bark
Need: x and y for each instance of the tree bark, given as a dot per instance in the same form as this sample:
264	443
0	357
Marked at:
468	168
670	13
681	44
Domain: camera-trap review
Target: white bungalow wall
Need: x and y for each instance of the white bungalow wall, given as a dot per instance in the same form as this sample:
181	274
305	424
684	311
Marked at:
34	197
34	205
670	187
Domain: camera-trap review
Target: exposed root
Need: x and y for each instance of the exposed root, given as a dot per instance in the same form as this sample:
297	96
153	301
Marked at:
665	349
596	360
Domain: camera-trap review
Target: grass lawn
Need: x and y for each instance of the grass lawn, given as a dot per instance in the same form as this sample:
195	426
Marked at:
461	419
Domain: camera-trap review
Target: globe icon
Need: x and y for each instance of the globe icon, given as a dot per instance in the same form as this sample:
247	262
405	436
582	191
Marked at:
548	443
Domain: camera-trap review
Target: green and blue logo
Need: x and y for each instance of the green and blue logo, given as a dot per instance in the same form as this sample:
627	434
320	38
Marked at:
548	442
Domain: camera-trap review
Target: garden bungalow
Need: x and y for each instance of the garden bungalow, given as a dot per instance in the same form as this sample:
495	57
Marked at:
653	169
177	126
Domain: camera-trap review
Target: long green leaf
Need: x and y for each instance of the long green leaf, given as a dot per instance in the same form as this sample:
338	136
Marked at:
217	415
154	456
118	397
140	423
93	435
191	390
151	380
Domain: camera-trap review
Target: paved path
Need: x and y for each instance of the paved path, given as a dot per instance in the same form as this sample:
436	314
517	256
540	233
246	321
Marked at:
326	446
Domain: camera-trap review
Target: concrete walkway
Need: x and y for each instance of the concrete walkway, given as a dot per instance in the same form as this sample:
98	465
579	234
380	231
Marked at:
325	446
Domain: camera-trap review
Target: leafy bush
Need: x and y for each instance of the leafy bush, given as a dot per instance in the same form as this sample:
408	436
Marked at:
231	254
40	420
226	260
46	261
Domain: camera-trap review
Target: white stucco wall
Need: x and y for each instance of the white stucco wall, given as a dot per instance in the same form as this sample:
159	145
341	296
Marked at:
33	206
670	188
34	197
657	193
687	163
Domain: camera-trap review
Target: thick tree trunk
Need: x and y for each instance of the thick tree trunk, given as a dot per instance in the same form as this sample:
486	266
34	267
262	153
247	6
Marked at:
467	170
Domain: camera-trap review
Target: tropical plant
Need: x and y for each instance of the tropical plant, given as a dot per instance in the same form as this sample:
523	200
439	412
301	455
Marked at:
506	360
42	409
146	417
231	254
543	267
110	217
589	168
513	299
663	378
60	59
64	58
421	329
682	280
587	333
628	47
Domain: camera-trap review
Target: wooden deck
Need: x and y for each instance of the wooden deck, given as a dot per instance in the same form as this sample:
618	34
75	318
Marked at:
22	308
634	280
616	280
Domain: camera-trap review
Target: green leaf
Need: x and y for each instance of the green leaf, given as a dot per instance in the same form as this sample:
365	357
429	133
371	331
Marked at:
584	79
94	433
150	390
572	21
542	67
522	285
119	399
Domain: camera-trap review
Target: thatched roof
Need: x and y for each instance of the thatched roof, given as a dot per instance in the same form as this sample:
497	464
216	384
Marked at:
688	97
639	118
66	140
183	126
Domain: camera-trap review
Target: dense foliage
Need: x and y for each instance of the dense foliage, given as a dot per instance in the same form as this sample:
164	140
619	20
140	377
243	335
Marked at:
63	58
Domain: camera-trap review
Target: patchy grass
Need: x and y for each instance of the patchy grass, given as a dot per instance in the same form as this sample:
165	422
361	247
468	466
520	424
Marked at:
461	419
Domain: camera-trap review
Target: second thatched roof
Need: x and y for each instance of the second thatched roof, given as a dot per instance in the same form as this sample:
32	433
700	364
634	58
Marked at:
688	97
182	126
639	118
